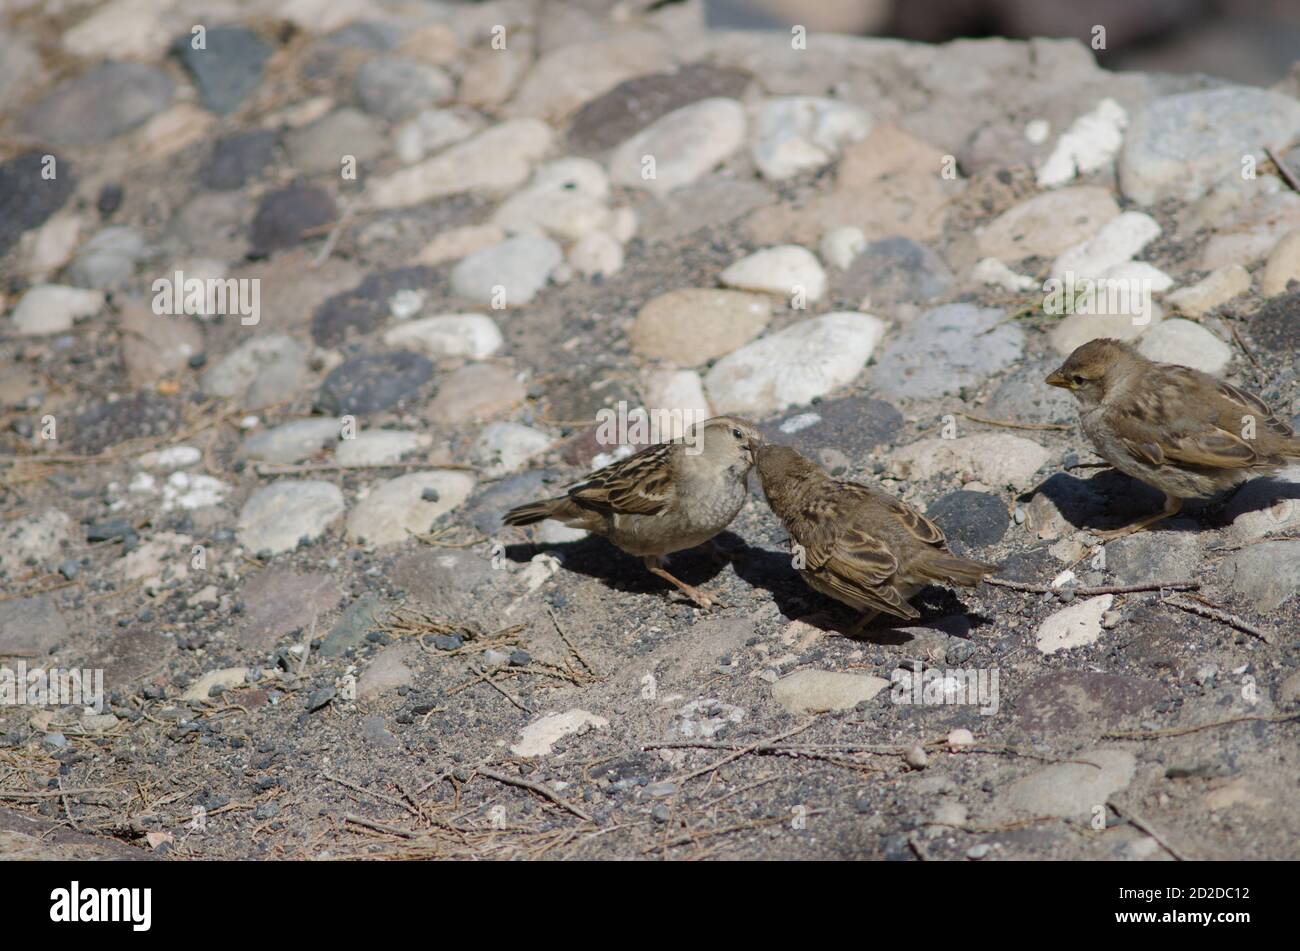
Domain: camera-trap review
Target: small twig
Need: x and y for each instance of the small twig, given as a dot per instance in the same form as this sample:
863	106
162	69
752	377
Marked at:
568	643
67	806
744	750
499	689
267	470
1144	826
540	788
1105	589
377	826
1012	425
1283	169
1236	335
1215	615
1184	730
50	793
328	247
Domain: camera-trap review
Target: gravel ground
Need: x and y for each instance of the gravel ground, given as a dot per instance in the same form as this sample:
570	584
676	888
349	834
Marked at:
275	533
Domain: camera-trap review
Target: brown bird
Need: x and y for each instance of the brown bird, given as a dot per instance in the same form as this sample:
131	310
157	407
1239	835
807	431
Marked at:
1182	431
663	498
855	543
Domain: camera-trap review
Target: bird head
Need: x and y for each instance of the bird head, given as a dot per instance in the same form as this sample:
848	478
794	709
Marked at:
1092	369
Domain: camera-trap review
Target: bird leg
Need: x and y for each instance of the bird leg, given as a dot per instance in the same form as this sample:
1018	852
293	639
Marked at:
1172	507
695	594
862	622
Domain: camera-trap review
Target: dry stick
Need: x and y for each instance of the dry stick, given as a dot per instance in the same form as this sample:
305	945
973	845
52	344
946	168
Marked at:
730	757
1144	826
1283	169
264	470
1011	425
1106	589
1236	335
1215	615
540	788
568	643
1184	730
377	826
46	794
328	247
498	688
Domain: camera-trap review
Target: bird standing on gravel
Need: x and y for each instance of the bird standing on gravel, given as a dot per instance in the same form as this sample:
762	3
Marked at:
857	544
1182	431
662	499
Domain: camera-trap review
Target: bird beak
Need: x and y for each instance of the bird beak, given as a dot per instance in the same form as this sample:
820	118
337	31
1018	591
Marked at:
1058	379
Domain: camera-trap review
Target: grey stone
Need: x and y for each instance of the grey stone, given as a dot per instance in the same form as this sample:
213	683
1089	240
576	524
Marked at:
238	159
366	307
28	198
895	270
351	629
278	515
286	216
319	146
853	425
1071	790
262	371
947	349
1071	701
711	202
519	265
30	627
1265	574
228	68
98	105
278	601
972	520
131	417
108	259
1023	397
374	382
398	88
290	442
1155	556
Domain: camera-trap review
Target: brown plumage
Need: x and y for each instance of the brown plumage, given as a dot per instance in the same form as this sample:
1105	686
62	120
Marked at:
662	499
857	544
1179	430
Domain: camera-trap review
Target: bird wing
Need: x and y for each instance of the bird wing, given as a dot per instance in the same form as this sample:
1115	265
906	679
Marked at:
1162	426
916	524
641	484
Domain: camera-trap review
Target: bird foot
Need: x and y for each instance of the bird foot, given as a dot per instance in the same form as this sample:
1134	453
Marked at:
698	597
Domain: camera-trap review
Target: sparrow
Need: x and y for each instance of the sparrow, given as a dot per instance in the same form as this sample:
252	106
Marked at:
664	498
1179	430
855	543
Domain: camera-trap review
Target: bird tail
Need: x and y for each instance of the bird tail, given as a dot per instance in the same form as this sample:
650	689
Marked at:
538	511
953	569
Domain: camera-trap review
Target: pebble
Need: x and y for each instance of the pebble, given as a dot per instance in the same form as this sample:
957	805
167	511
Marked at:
262	371
598	253
1090	144
373	382
39	538
432	130
681	147
1071	790
565	199
1264	507
996	459
694	326
565	78
680	390
1187	344
1048	223
1183	145
1118	241
107	260
31	627
972	519
495	161
1154	556
896	269
994	272
505	447
519	266
388	671
380	446
807	360
540	736
946	350
318	147
786	271
396	508
477	391
960	737
472	336
290	442
228	69
53	309
455	243
276	516
1076	626
1218	287
839	246
1265	574
797	134
28	199
395	87
288	216
817	691
1283	265
238	159
916	757
99	105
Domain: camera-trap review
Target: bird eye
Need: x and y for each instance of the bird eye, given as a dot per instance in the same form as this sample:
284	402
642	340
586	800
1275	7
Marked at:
1076	380
737	433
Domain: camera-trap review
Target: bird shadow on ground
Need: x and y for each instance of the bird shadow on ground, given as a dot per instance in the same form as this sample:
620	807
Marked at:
597	558
771	571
